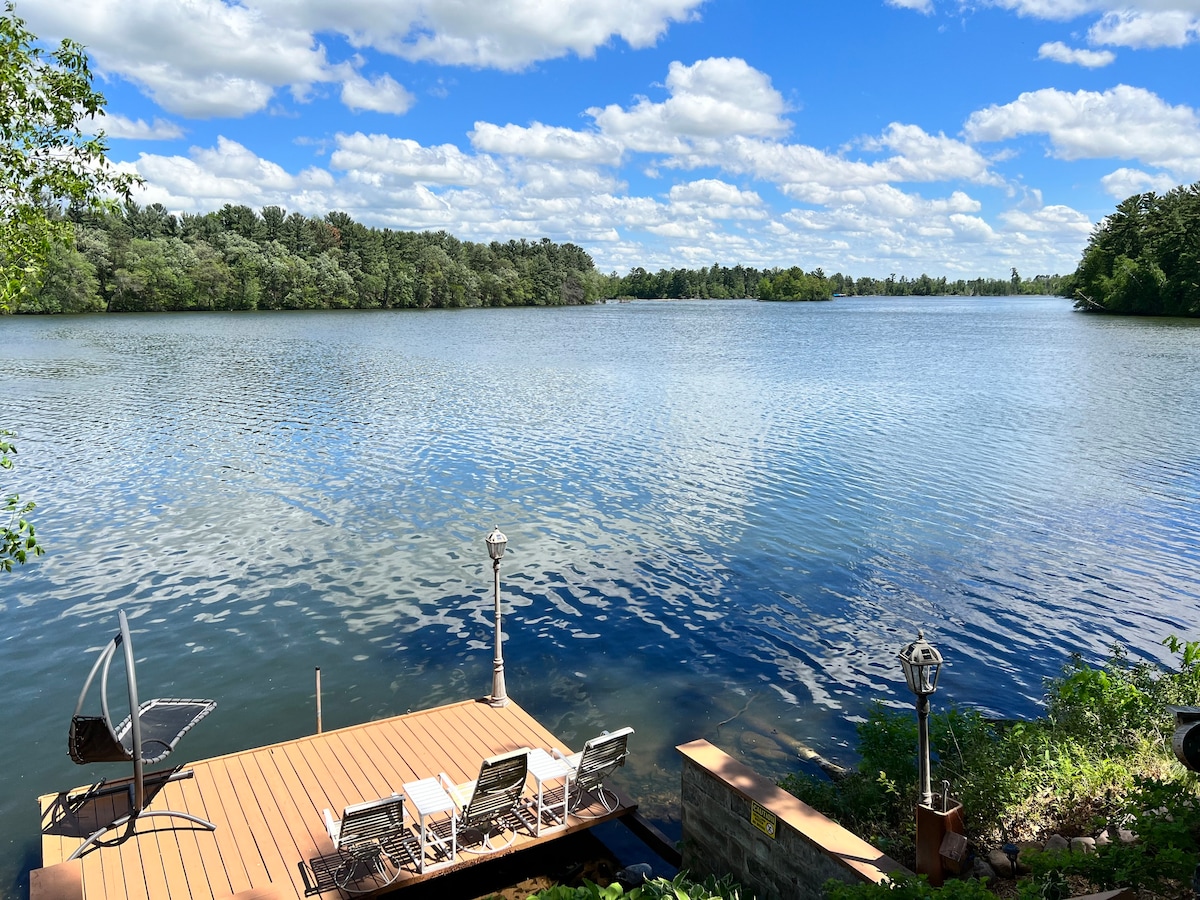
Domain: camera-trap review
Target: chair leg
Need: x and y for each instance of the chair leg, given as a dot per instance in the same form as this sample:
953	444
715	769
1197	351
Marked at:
129	820
608	800
365	867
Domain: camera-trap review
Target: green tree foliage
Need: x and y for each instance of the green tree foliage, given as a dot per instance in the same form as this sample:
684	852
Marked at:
681	887
1144	258
18	538
795	284
719	282
139	259
47	157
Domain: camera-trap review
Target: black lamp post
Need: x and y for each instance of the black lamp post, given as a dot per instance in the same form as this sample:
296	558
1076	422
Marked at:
496	542
922	665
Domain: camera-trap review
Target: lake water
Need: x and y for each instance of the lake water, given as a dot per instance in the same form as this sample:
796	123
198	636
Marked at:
724	517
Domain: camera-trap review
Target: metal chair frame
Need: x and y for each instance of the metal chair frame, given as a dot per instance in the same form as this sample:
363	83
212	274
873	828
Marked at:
366	834
599	758
93	738
492	802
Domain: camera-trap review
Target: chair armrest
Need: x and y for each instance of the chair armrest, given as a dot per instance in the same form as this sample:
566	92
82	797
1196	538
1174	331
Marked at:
333	826
571	760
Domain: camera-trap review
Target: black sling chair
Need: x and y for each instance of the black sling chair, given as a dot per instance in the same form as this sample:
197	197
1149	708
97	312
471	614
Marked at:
145	737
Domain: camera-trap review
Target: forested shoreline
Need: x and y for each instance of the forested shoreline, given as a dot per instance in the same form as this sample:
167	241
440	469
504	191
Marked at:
1144	258
144	259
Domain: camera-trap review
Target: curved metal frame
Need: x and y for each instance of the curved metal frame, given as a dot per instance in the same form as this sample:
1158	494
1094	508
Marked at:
599	758
138	788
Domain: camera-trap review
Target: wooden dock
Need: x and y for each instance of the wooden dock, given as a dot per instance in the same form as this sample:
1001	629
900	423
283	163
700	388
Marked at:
268	804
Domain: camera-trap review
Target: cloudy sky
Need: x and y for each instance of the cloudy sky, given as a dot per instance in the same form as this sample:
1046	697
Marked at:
863	136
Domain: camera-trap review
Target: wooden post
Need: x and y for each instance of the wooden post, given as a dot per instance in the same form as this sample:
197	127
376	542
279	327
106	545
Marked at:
318	699
932	827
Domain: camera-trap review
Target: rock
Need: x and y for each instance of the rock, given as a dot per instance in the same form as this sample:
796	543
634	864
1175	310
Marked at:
1102	839
1083	845
1125	836
763	747
635	875
1057	844
983	869
999	861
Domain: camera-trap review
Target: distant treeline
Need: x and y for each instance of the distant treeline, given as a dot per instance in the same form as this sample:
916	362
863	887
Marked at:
718	281
144	259
1144	258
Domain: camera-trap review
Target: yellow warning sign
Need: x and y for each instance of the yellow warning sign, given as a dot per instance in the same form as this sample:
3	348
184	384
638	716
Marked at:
764	821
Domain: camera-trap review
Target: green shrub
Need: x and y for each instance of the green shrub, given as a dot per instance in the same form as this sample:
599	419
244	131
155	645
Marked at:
681	887
1165	817
909	887
1105	730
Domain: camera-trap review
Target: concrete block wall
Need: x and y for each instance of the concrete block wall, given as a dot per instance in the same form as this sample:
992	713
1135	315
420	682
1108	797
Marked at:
737	822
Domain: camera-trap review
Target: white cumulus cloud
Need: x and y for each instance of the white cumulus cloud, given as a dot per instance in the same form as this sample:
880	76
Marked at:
118	126
1138	24
1057	51
208	58
197	58
1141	29
1123	123
540	141
1126	182
383	94
712	98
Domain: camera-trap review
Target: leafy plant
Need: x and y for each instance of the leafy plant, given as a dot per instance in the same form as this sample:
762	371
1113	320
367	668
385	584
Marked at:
910	887
681	887
46	154
1106	730
1165	818
18	538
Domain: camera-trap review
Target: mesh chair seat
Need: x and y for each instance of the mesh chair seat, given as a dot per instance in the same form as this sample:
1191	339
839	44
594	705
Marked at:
164	722
146	736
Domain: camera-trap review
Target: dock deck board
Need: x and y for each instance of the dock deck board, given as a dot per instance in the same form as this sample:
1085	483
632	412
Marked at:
268	802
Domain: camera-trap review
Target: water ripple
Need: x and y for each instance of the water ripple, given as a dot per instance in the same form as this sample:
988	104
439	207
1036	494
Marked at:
724	518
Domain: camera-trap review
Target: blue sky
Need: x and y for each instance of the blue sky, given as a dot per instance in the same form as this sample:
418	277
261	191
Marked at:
862	136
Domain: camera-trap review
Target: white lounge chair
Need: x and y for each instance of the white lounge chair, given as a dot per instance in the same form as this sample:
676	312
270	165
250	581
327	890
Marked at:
599	758
492	804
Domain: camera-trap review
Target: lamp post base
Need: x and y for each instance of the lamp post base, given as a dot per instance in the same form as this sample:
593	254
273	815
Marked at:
934	858
499	696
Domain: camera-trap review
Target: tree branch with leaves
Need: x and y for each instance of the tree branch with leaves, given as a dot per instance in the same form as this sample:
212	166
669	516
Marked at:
18	539
49	156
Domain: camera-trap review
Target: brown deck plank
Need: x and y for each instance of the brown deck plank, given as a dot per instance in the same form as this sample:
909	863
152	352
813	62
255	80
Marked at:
263	820
311	788
377	763
231	834
204	844
338	787
267	803
359	767
454	751
288	833
238	833
415	758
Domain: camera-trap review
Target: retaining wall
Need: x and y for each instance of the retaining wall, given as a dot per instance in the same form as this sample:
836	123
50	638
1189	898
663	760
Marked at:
737	822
